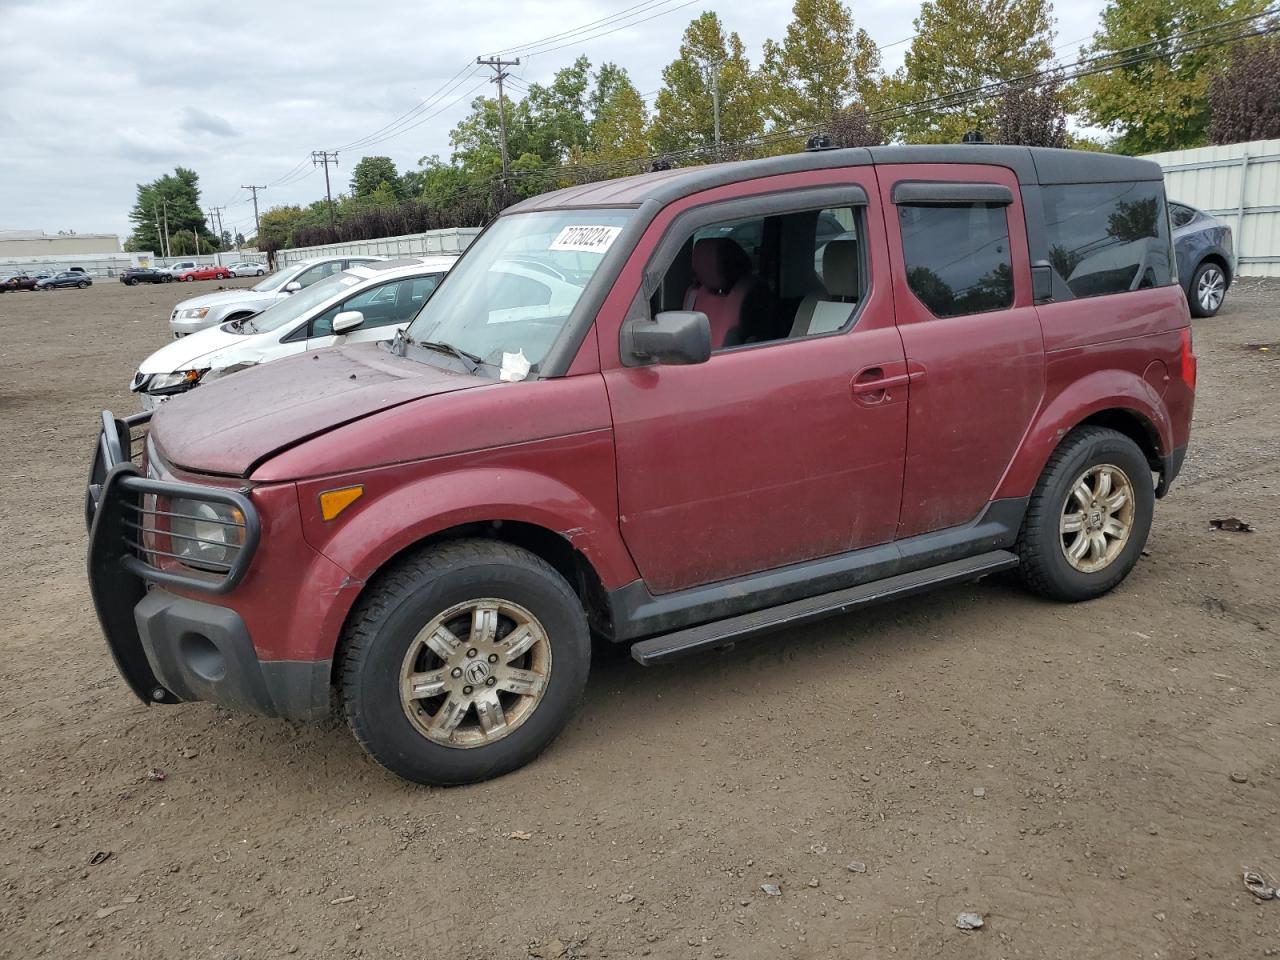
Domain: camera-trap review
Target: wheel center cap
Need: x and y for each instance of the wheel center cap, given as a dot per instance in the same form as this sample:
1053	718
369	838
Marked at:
1095	518
476	672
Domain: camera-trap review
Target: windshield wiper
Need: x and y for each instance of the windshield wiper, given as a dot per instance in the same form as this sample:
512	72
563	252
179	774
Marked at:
469	360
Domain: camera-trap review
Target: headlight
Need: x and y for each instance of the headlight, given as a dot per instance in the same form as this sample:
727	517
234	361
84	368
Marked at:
174	382
193	313
205	535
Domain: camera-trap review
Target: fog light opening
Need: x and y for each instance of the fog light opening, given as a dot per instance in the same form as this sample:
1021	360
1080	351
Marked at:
203	657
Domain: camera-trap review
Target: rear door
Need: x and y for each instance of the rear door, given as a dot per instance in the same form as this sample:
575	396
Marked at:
974	349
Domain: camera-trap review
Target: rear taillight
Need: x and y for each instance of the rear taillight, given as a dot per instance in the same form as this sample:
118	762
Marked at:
1188	358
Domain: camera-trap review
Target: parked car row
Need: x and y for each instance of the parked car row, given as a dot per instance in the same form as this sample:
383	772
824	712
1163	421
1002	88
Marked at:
432	532
367	303
75	277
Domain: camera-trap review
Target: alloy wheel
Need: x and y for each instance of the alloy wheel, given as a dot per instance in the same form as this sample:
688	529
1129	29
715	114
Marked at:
1211	288
475	673
1097	518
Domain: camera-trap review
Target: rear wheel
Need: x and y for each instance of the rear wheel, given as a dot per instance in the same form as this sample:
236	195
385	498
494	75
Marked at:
463	662
82	284
1088	518
1208	290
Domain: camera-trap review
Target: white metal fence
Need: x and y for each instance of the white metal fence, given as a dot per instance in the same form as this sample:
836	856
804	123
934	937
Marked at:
1239	183
449	241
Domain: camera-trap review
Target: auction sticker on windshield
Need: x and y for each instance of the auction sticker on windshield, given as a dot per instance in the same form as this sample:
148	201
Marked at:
585	239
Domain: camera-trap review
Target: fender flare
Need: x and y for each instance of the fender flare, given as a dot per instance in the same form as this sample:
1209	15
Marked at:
1099	392
393	522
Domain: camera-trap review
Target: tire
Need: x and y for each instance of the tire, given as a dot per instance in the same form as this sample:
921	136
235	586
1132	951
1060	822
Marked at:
1045	538
131	283
260	273
167	280
383	640
82	284
1207	290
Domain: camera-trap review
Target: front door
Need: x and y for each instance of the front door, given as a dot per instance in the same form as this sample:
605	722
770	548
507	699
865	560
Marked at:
972	336
788	444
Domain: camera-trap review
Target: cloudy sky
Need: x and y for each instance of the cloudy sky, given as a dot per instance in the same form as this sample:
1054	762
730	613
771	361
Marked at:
96	97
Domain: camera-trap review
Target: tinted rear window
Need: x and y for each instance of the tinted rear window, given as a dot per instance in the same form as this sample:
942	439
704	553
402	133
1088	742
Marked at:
1107	237
958	257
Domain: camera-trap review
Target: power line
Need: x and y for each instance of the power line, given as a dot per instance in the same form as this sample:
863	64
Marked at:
634	9
1084	67
385	131
605	33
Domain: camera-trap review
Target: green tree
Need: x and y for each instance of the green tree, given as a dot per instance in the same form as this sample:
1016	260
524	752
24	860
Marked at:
276	227
177	196
369	175
822	65
1161	103
619	121
960	45
684	117
557	114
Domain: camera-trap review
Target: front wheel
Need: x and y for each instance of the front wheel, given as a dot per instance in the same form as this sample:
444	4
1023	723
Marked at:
82	284
463	662
1208	290
1088	518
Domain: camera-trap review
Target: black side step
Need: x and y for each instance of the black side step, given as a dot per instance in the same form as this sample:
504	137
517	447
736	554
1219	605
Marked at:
721	632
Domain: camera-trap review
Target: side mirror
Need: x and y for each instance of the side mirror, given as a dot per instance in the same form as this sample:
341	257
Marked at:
293	286
347	320
1041	281
675	337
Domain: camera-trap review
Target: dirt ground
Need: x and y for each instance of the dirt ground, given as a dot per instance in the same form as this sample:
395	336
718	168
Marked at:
1089	778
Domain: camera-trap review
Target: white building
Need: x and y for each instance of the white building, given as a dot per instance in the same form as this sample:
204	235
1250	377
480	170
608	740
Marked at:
37	243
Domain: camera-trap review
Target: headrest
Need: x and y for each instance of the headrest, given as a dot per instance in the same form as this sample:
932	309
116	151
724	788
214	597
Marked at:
840	268
718	263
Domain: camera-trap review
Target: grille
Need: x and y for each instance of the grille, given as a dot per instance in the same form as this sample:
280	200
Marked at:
138	514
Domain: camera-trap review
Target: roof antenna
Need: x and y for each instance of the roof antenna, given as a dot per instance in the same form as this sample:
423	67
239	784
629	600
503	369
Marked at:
973	136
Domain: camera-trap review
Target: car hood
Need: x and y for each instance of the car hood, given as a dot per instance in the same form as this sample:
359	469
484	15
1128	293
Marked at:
230	426
227	296
213	347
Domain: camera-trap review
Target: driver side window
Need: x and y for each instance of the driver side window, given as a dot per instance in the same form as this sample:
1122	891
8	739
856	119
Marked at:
384	305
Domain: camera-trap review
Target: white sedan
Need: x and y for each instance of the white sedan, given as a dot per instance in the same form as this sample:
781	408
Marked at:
248	268
363	304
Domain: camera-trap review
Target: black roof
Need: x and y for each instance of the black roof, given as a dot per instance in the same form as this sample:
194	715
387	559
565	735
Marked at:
1032	165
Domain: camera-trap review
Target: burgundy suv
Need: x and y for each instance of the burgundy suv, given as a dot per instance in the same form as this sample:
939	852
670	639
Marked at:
673	411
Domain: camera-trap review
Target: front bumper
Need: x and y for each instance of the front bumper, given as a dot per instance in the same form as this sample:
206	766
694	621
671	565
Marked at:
189	325
171	648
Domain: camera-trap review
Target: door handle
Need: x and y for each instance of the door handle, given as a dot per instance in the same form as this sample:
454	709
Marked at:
873	380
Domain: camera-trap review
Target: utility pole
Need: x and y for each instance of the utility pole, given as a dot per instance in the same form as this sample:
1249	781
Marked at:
168	249
713	75
217	212
257	227
155	212
326	157
499	67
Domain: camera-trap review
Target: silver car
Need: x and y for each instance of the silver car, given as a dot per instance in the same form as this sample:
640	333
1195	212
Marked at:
211	309
248	268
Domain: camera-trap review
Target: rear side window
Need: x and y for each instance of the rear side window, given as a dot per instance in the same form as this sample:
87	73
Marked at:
1107	237
957	257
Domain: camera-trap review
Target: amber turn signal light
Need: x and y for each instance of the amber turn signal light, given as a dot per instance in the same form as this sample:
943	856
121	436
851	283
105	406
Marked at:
333	502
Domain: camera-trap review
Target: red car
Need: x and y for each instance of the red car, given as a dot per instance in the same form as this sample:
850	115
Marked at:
211	272
673	411
17	281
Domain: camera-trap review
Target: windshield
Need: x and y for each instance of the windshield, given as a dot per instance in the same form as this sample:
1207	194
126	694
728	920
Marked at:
508	299
283	312
274	281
